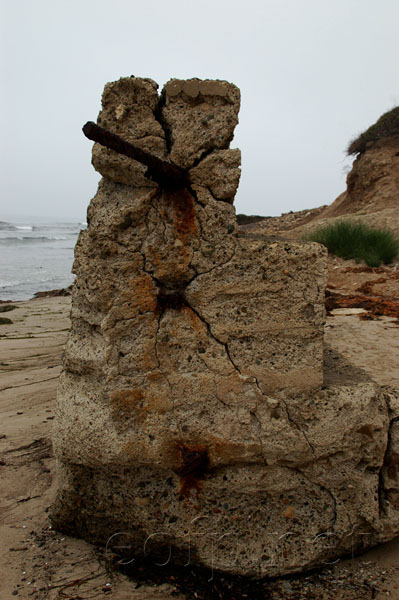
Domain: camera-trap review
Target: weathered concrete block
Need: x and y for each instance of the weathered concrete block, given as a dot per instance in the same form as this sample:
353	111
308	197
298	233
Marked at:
129	108
267	305
219	172
200	117
191	413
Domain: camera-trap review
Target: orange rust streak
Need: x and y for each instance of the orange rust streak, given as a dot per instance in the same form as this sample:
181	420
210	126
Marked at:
140	295
185	219
193	464
188	483
126	399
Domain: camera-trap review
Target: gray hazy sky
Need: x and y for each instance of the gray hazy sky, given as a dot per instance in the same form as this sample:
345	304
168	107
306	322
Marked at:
312	74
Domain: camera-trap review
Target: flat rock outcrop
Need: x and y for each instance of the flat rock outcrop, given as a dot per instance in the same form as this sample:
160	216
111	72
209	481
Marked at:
192	419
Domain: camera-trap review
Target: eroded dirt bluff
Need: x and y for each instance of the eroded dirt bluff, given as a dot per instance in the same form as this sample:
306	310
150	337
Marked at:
372	183
192	413
371	196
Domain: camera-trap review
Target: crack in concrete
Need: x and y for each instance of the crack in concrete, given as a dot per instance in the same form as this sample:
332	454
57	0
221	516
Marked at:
225	200
297	426
289	417
222	264
204	237
194	195
255	415
159	117
237	369
200	317
224	344
154	205
204	154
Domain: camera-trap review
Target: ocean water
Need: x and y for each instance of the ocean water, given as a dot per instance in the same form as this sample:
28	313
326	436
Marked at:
36	256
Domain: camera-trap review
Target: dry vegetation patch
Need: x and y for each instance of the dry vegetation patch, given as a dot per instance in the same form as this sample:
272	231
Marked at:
386	126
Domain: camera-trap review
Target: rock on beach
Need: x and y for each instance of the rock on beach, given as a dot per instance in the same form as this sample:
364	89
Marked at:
192	412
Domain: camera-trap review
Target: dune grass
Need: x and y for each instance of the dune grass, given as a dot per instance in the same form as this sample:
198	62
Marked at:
356	240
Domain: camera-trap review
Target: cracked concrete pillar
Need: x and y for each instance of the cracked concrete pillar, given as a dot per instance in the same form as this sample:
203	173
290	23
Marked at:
190	409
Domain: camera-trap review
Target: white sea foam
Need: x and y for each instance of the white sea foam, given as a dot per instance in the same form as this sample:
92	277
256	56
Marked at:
36	257
7	283
31	240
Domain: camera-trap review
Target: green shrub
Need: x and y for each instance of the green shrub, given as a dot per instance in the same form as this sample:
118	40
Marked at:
386	126
353	239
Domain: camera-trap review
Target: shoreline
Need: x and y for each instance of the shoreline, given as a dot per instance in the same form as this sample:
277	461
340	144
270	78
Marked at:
45	294
66	291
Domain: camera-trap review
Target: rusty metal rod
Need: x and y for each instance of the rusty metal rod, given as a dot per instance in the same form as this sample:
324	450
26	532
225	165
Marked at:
164	173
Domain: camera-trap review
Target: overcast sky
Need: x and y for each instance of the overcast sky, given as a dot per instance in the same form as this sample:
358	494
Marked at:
312	74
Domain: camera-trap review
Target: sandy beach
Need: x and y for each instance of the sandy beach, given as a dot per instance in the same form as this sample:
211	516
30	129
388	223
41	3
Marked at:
37	562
